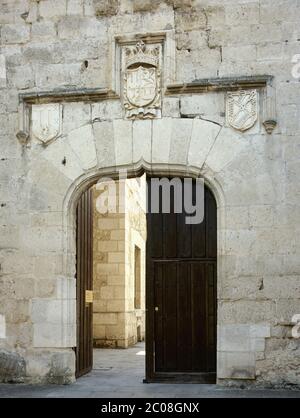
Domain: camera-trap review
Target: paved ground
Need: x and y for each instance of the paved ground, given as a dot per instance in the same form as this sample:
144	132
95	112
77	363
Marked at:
119	374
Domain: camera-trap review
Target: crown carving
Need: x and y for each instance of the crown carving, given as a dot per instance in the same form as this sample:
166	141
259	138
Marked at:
142	53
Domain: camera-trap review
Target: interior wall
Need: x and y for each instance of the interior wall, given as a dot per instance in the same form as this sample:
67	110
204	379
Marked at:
116	235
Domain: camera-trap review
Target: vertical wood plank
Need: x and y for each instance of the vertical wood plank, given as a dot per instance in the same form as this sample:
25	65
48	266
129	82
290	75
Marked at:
84	277
183	286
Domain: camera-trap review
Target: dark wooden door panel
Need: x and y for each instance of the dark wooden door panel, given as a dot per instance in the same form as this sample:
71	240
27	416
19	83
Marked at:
84	281
181	296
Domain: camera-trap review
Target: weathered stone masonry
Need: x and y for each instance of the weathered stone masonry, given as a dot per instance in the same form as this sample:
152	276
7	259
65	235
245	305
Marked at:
65	52
117	239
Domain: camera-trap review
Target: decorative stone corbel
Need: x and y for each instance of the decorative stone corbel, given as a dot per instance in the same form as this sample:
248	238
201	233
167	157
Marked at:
24	121
269	108
23	137
270	125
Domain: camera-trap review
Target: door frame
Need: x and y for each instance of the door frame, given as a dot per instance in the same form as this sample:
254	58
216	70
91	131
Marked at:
136	170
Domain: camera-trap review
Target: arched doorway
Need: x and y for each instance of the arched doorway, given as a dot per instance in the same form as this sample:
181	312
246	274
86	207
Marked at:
181	294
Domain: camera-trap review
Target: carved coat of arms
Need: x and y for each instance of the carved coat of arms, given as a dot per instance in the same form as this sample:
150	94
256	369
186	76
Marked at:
46	122
242	109
142	92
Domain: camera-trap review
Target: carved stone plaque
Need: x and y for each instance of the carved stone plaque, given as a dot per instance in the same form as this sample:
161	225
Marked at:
242	109
46	122
142	89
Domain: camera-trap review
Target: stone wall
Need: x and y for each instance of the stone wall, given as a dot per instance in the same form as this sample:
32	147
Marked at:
58	44
135	250
116	235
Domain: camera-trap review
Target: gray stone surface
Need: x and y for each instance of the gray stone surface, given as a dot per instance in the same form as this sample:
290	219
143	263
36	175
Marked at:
69	45
12	367
120	373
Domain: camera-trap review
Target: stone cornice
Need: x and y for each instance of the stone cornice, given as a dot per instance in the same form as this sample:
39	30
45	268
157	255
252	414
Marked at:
219	84
66	95
197	86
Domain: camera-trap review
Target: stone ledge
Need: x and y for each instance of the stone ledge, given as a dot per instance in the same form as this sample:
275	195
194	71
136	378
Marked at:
219	84
66	95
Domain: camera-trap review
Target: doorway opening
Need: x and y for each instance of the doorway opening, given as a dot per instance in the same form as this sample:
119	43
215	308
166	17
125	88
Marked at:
144	275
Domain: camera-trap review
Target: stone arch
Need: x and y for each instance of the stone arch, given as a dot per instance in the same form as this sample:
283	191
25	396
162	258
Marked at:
62	170
87	180
133	170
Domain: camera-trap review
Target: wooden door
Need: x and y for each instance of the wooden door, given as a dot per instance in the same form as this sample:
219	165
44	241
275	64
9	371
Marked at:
84	277
182	296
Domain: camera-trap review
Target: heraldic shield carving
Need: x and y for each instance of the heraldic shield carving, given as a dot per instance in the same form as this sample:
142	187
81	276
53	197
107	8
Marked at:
142	91
46	122
242	109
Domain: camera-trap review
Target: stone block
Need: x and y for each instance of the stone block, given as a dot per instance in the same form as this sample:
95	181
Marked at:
188	18
82	142
107	246
287	308
203	136
52	8
108	223
2	73
54	335
236	365
119	292
161	140
180	140
75	116
260	331
2	327
75	7
12	367
123	141
258	345
87	28
107	110
20	77
98	331
261	216
247	311
15	34
142	137
115	280
116	257
170	107
234	338
106	7
99	305
281	287
62	368
116	305
226	148
209	107
43	31
106	318
104	139
50	76
66	288
242	14
51	311
145	5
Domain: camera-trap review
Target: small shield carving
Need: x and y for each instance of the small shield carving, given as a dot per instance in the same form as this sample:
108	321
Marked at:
141	86
45	122
242	109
